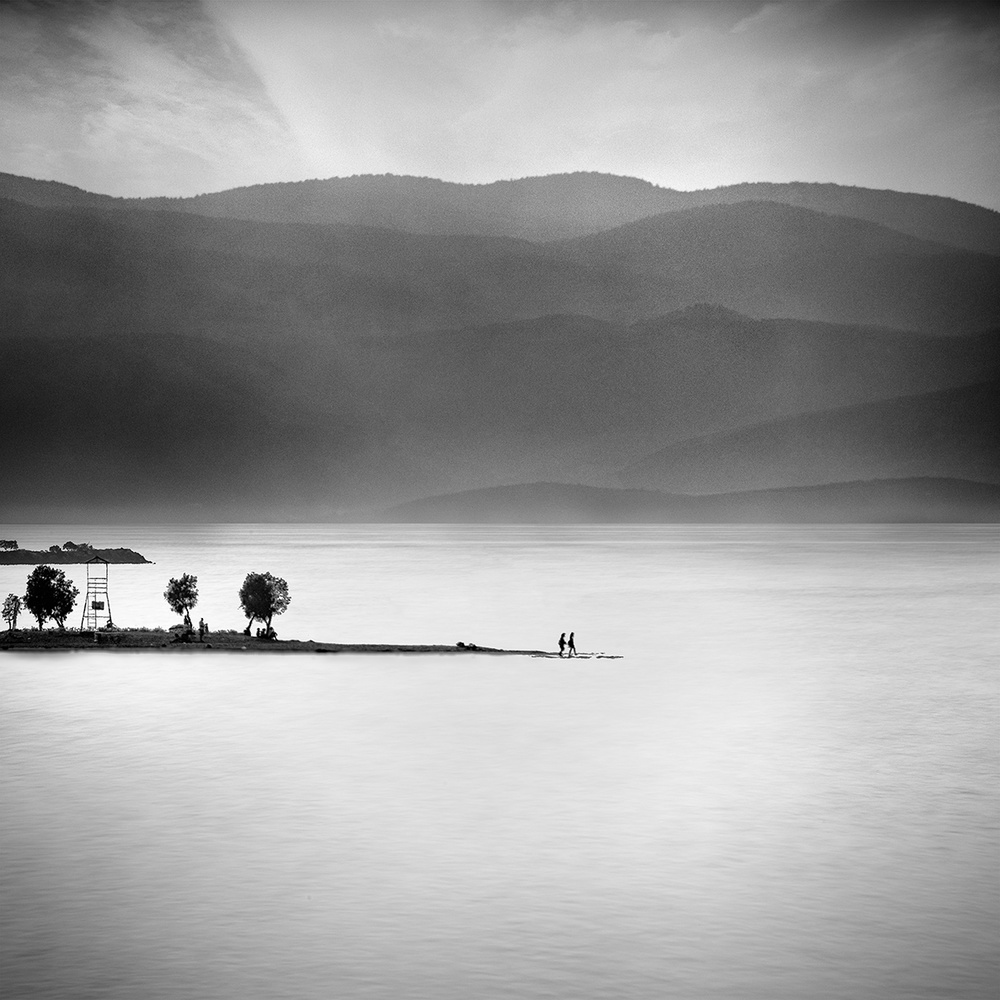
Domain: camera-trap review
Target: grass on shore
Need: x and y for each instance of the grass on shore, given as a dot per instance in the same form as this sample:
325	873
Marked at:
157	638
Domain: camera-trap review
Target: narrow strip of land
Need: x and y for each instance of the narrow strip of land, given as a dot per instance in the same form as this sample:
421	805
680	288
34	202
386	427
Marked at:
49	640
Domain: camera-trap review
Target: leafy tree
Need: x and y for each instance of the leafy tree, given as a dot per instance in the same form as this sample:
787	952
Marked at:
50	595
11	609
182	594
263	596
8	543
53	548
69	546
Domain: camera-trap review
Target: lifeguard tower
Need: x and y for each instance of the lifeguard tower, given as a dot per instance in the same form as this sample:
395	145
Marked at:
97	606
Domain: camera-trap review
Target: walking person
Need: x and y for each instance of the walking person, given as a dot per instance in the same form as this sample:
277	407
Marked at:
572	644
562	644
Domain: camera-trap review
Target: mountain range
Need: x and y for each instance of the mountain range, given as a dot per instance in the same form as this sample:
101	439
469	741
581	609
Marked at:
332	349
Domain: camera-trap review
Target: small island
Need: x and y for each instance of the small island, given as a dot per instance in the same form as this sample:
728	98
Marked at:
69	552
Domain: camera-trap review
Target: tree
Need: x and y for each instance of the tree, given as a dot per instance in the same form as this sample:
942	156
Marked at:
182	594
50	595
11	609
8	543
263	596
70	546
54	548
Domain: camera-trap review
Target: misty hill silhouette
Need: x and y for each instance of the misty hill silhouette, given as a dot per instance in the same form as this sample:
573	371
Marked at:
950	433
769	259
879	501
192	273
174	422
576	399
558	206
241	368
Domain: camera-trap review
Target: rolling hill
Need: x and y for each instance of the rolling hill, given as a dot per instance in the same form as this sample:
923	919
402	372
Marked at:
167	425
560	206
575	399
881	501
947	434
270	283
173	361
769	259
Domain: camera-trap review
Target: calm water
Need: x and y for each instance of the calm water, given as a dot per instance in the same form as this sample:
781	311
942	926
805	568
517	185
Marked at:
787	788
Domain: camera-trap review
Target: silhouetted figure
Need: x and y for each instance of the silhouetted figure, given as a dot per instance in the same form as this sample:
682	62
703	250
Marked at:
562	644
246	631
201	629
572	644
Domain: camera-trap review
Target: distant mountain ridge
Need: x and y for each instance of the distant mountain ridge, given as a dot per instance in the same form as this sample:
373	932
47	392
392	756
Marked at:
879	501
169	361
553	207
948	433
757	258
773	260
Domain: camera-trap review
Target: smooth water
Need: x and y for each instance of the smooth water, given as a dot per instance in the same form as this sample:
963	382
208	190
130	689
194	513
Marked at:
787	788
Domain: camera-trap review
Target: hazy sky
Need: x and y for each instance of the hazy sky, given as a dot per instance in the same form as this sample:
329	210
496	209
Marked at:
184	96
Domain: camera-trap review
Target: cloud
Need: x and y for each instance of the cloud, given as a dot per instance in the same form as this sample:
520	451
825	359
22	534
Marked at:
139	98
182	96
689	95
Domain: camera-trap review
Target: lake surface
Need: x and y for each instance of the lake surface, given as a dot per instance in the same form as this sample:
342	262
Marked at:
786	788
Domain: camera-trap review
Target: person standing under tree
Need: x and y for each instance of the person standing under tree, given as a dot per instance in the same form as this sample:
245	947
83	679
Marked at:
562	643
572	644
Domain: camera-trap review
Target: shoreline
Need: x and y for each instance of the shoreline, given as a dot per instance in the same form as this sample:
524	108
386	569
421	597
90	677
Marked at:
147	640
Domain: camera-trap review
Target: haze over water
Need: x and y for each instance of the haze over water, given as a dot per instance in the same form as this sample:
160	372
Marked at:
787	787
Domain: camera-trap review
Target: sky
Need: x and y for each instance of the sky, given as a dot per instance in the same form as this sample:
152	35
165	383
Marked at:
179	97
